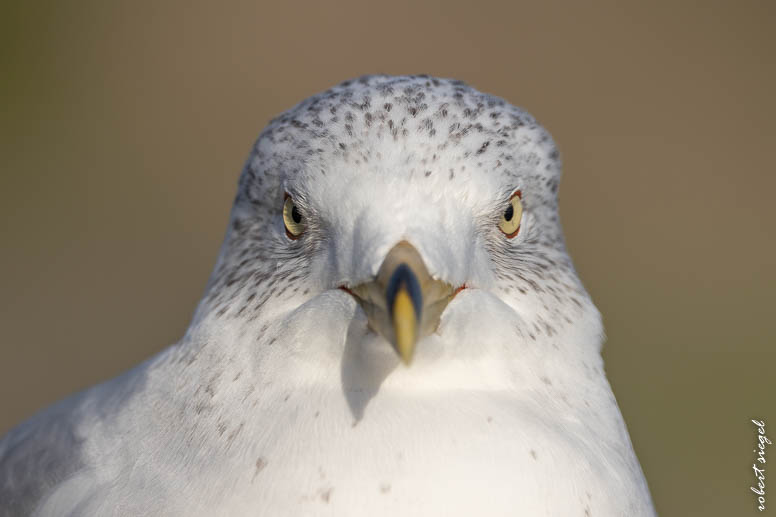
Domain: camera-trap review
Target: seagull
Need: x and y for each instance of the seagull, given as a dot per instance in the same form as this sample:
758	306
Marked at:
393	327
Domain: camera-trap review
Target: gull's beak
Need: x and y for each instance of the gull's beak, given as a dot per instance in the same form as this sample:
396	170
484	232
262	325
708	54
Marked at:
403	304
405	309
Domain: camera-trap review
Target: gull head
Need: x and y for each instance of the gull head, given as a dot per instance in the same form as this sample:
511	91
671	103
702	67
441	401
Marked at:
421	208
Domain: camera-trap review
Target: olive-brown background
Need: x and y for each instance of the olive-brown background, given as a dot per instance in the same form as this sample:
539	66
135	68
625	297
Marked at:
124	126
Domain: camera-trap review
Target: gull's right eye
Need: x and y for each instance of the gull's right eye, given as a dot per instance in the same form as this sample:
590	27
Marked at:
292	218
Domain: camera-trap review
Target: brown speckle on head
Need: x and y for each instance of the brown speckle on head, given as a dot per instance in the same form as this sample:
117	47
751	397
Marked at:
260	464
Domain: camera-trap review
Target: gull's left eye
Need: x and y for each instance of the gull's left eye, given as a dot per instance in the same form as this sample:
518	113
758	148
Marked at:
510	219
292	218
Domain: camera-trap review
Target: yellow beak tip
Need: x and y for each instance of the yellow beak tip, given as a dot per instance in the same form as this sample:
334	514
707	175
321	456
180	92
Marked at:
406	358
405	325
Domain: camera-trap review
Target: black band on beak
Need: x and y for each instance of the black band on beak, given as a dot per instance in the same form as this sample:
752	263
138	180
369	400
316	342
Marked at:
404	277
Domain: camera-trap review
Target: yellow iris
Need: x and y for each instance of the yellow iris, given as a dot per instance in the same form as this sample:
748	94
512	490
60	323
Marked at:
510	219
293	219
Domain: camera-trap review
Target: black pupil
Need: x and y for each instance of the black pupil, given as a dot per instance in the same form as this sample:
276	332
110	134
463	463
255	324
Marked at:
510	211
295	215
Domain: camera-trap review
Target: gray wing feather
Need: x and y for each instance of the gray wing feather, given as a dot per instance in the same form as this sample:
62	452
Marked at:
37	456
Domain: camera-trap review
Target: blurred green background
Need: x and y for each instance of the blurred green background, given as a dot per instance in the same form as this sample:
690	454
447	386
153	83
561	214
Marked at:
124	126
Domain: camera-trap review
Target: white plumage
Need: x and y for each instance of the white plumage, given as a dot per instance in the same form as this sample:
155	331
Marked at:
281	400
